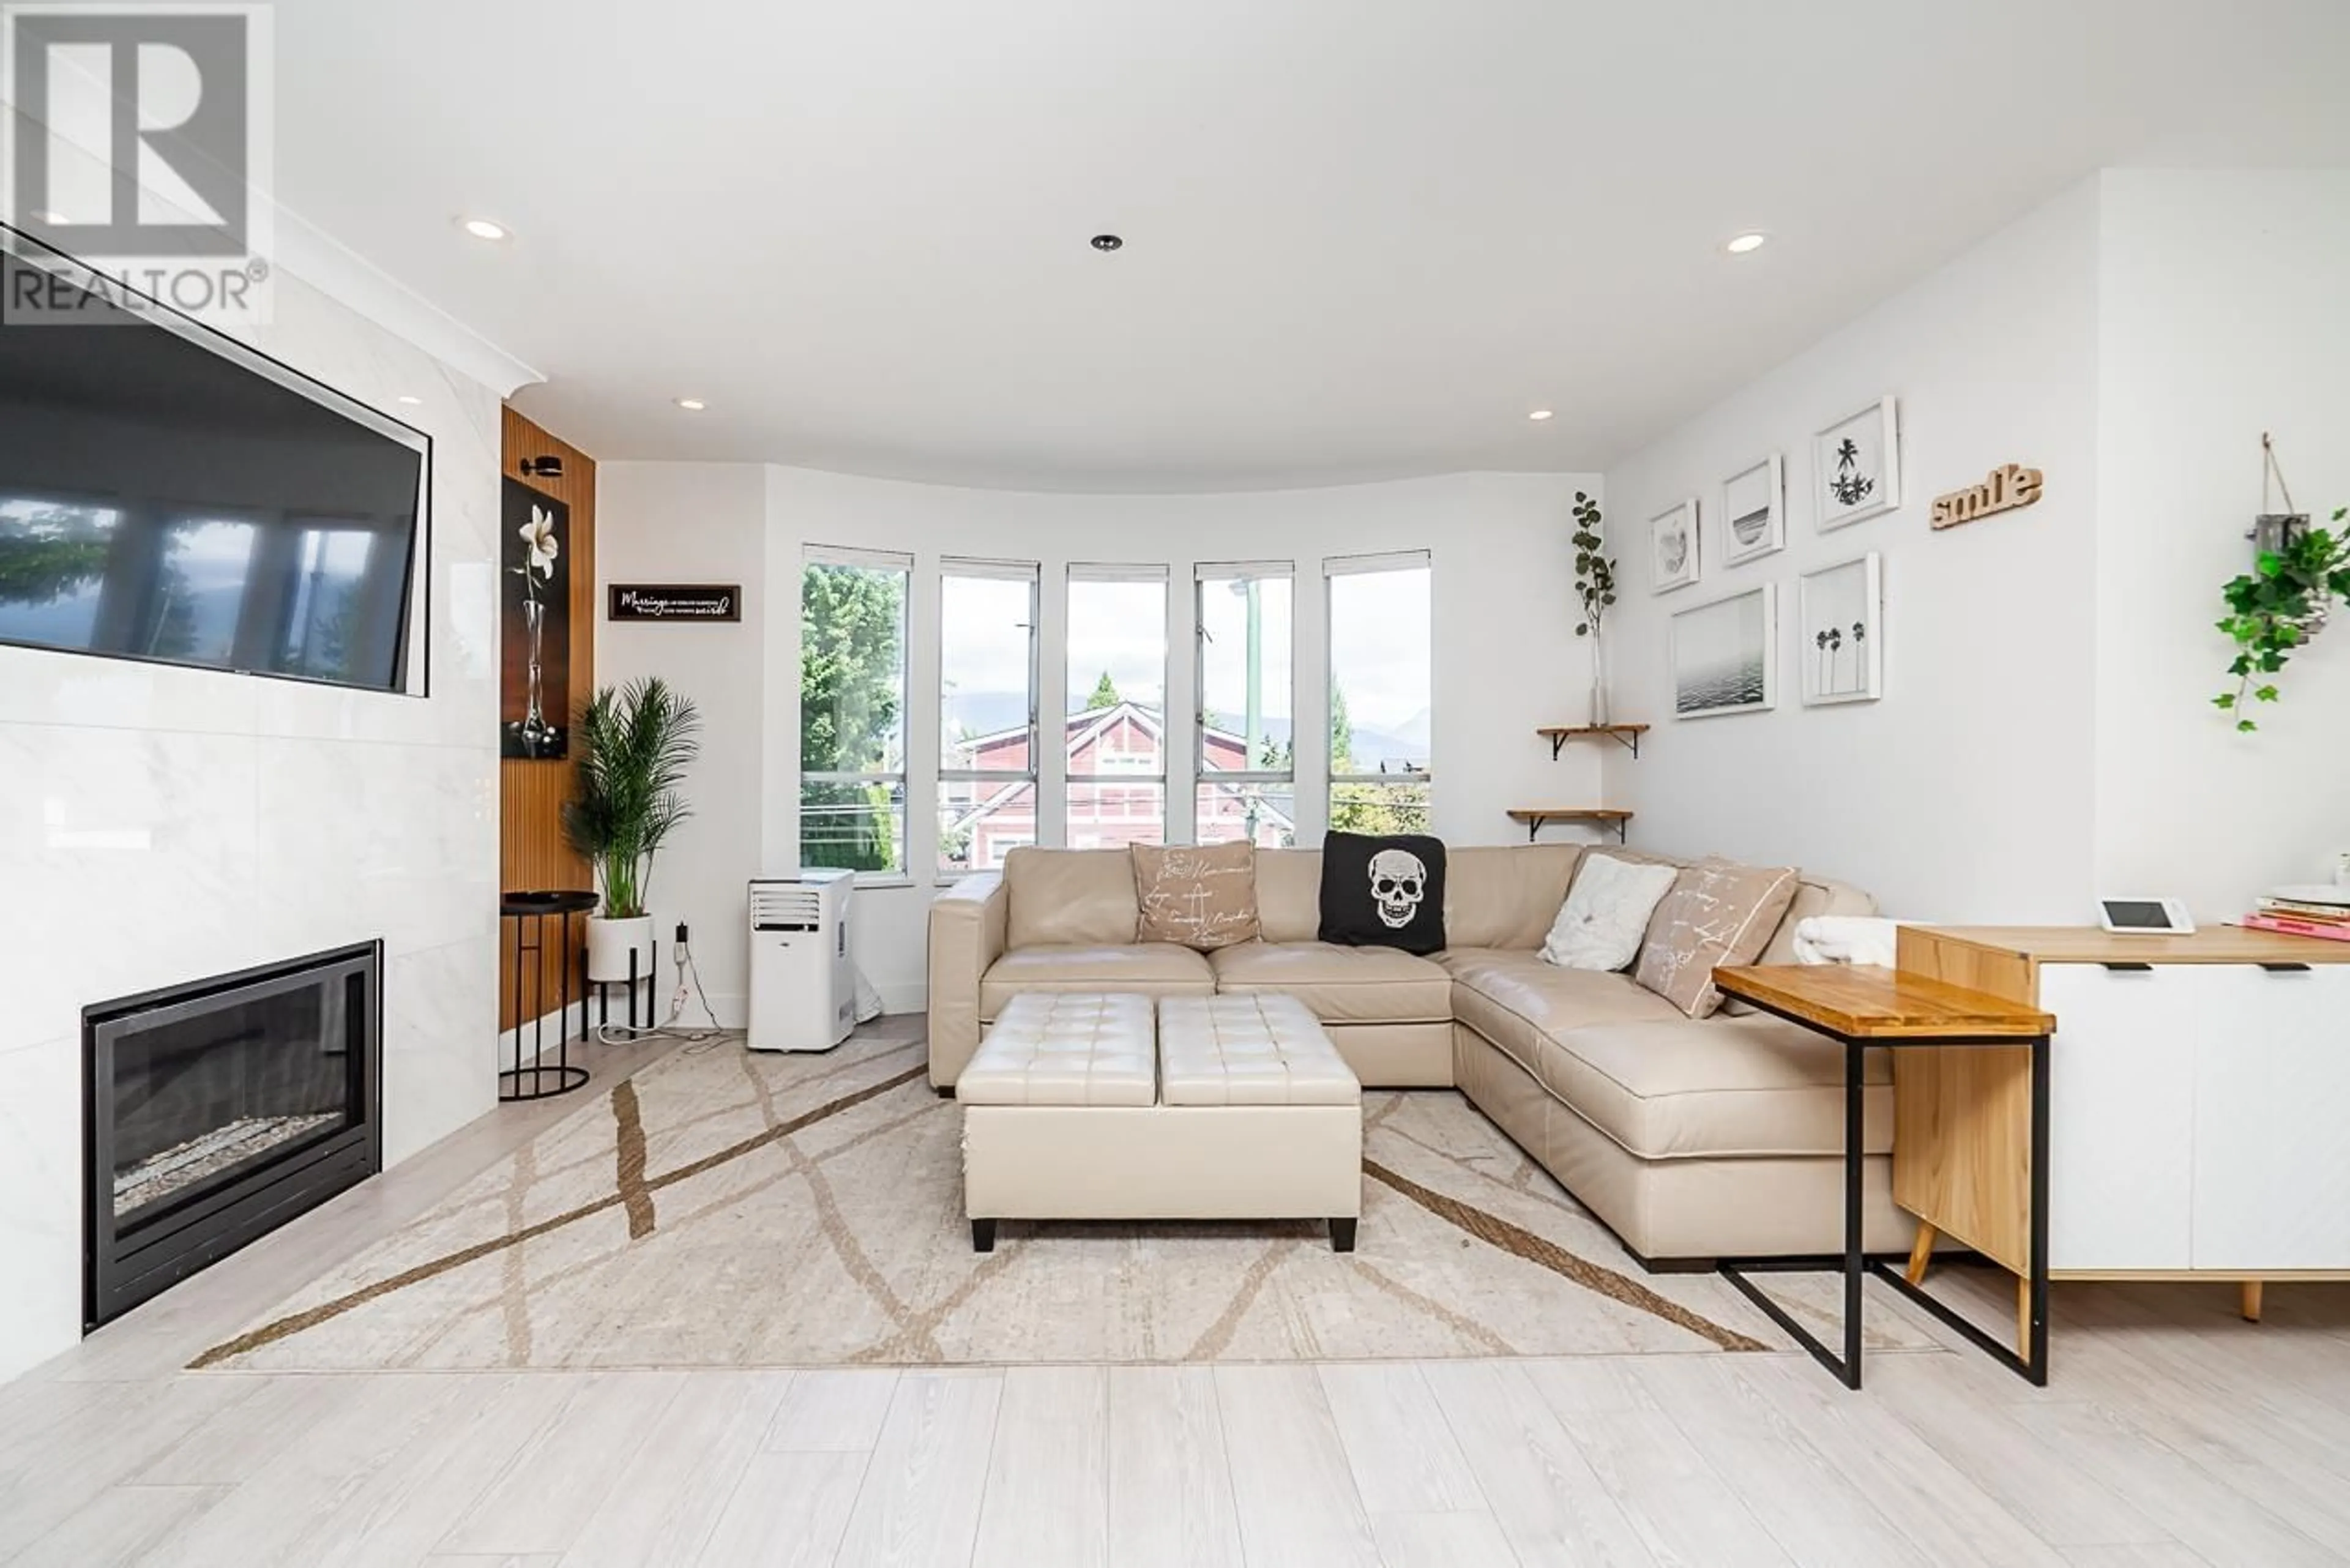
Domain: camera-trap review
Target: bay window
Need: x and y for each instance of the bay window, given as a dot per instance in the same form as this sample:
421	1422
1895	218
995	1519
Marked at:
1246	784
1114	718
987	713
853	709
1381	693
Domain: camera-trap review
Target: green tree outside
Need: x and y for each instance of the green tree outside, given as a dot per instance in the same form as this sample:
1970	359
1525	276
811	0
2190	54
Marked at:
852	653
1378	808
1105	694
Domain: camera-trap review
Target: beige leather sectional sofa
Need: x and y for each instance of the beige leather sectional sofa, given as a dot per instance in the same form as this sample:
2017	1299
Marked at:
1694	1140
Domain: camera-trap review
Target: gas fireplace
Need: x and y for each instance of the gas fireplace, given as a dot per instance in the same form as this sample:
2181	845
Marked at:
216	1112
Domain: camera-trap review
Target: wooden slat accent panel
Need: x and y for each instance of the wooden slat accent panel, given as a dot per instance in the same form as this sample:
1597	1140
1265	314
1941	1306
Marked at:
1963	1115
532	853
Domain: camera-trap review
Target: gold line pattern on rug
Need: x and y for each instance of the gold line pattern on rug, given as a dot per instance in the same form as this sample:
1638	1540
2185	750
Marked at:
628	1122
1496	1232
295	1323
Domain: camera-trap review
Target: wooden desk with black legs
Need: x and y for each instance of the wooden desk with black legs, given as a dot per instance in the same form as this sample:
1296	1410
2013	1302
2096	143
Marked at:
1861	1007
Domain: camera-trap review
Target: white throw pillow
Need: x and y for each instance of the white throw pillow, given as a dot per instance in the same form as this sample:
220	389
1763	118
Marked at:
1606	916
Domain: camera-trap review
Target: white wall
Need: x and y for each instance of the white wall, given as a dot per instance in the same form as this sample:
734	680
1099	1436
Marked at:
1505	659
158	825
2223	313
1967	792
702	523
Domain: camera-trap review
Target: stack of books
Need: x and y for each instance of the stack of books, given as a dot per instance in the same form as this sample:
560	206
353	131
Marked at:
2315	911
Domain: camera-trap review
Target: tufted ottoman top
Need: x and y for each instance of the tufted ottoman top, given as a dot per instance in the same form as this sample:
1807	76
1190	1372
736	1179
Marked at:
1048	1049
1258	1048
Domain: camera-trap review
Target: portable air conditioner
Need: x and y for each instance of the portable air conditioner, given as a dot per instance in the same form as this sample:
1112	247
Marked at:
802	985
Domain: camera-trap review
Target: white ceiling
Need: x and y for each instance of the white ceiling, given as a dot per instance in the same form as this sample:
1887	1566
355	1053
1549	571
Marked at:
1364	237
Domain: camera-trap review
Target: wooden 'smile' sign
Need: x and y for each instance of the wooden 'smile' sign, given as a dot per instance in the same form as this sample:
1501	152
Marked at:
2009	487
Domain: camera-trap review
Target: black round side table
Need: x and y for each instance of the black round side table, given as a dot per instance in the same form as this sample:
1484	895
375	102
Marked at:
539	1079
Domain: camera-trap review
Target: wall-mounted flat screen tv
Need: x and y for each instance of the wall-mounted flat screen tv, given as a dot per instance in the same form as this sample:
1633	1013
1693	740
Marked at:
167	494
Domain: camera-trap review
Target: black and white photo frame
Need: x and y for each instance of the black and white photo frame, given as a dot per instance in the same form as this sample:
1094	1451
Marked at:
1840	632
1857	466
1725	655
1673	547
1753	513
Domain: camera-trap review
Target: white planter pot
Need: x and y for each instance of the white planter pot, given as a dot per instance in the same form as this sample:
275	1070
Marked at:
609	943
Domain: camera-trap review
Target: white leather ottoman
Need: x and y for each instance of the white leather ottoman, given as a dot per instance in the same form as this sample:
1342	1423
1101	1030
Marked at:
1245	1111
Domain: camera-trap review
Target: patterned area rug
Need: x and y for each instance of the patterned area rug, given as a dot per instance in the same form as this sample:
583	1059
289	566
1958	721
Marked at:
723	1208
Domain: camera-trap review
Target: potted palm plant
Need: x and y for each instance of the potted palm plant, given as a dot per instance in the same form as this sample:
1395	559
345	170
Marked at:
633	745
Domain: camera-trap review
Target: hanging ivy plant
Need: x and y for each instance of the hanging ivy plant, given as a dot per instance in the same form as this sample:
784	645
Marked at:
2277	607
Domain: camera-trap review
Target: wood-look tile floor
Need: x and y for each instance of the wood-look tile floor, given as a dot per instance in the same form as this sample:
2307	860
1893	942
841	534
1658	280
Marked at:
2174	1436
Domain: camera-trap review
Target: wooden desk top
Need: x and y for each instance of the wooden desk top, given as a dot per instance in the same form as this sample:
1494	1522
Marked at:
1863	1002
2093	944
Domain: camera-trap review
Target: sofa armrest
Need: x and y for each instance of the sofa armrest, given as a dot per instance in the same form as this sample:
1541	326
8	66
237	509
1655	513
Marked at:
967	931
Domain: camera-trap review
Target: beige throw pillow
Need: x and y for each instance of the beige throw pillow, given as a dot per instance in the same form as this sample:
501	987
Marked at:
1718	913
1200	896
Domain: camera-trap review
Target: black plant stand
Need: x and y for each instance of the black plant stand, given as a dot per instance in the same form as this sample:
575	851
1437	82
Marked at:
649	980
539	1079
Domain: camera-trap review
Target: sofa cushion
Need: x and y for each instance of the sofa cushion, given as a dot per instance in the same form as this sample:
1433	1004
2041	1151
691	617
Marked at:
1506	896
1521	1003
1718	912
1141	969
1384	890
1688	1088
1202	896
1606	916
1289	894
1068	895
1342	985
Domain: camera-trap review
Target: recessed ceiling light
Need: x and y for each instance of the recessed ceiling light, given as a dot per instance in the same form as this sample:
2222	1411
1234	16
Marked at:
482	229
411	400
1539	414
1748	242
691	405
1106	242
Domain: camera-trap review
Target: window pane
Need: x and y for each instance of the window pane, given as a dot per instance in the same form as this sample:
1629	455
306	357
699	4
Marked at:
53	565
981	820
856	827
199	592
1245	674
1380	688
1118	668
852	671
1265	813
985	663
1110	815
324	620
1378	808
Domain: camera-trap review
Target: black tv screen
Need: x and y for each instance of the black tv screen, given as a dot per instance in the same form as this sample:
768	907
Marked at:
167	495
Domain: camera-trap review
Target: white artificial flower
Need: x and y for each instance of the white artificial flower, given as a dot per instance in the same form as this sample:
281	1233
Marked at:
539	535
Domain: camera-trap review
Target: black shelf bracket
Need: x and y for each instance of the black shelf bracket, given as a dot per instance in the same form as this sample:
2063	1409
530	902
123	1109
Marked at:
2286	968
1629	741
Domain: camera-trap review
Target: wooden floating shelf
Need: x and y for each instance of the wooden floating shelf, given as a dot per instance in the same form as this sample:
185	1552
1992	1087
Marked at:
1626	735
1537	817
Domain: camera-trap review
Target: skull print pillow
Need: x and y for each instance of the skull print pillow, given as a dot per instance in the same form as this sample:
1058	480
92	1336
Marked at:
1383	891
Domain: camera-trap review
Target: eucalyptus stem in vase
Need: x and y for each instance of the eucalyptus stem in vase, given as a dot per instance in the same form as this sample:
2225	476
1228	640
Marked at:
1595	587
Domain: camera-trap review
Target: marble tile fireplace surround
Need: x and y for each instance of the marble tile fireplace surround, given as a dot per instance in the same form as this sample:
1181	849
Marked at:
159	825
214	1112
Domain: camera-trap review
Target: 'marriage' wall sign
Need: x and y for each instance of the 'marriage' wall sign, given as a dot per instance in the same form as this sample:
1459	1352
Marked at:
2008	487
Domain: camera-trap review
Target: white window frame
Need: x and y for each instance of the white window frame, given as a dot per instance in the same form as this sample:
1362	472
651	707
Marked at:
1114	572
877	561
1219	573
1030	573
1333	568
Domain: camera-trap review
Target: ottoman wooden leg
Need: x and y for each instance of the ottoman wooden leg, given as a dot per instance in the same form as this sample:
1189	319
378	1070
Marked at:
1342	1235
982	1235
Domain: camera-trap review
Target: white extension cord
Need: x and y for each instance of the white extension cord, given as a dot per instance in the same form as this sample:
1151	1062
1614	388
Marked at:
688	989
